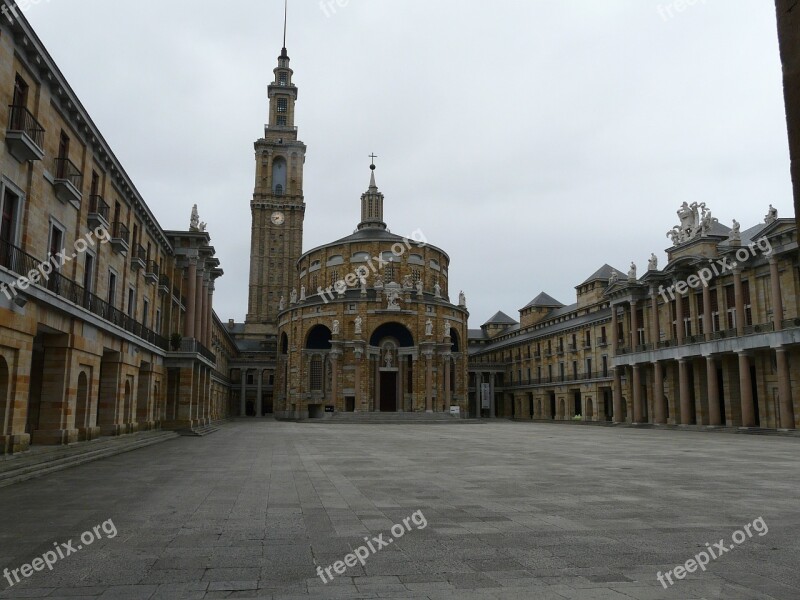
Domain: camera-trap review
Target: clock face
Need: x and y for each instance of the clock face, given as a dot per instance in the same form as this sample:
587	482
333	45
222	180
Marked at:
278	218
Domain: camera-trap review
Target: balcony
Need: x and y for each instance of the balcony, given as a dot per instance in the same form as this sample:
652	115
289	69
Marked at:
24	136
195	347
572	348
152	272
16	260
138	258
68	182
120	237
98	213
602	342
164	285
560	351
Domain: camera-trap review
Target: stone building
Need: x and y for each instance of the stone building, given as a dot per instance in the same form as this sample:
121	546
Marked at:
106	319
372	328
711	339
317	338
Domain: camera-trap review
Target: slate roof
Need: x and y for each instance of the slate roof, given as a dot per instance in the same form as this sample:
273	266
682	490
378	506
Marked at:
544	300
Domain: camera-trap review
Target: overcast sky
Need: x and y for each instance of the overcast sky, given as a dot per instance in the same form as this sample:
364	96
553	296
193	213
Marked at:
532	140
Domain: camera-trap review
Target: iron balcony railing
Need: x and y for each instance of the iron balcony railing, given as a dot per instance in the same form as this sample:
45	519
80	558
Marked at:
98	206
66	170
559	379
21	119
192	345
153	268
14	259
120	231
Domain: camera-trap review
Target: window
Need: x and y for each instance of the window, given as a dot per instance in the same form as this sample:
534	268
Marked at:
10	212
730	301
334	277
112	288
701	326
283	78
316	374
95	189
282	121
158	320
132	303
605	366
20	92
283	105
56	244
748	307
415	276
88	272
588	367
145	312
714	310
63	154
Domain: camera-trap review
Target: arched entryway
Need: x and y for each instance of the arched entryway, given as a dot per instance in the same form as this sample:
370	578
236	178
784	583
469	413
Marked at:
393	367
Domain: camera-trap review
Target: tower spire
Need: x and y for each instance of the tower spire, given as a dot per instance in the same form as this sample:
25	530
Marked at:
372	203
285	22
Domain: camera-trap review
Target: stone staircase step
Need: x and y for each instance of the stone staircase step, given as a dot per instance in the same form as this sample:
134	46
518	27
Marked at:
39	462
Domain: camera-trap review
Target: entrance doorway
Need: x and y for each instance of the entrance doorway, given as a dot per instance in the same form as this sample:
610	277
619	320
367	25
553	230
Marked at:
388	391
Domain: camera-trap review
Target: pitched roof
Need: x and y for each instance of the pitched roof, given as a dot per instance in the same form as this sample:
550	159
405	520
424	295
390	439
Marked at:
604	272
501	318
544	300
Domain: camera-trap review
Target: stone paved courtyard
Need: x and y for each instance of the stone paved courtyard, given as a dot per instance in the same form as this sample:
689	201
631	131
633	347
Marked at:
513	510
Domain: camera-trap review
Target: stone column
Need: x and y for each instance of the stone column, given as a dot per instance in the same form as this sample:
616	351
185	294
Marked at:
429	382
746	391
191	299
777	296
358	407
679	326
259	393
377	383
335	380
492	407
243	399
634	325
784	389
210	311
204	322
708	320
715	418
199	306
637	394
737	288
659	405
403	375
685	393
614	327
447	390
617	394
655	335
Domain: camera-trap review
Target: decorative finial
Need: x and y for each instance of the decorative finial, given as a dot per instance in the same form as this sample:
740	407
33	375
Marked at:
373	157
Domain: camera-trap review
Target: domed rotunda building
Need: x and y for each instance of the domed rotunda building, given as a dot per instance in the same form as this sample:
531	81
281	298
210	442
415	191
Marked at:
372	327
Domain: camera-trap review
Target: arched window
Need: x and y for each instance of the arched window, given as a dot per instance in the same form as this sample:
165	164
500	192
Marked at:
279	175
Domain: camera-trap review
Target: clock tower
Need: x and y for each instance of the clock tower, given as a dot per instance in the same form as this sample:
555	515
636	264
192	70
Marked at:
278	207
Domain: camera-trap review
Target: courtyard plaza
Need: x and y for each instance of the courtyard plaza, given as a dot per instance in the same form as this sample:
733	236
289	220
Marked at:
512	510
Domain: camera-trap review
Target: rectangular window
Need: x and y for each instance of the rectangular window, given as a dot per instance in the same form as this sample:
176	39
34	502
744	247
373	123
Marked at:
132	303
146	312
20	92
748	307
282	122
56	243
730	306
158	320
112	288
283	105
88	272
714	310
95	189
605	366
10	210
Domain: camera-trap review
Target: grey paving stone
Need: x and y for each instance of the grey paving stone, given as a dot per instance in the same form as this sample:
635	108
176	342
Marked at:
513	511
